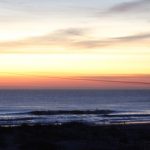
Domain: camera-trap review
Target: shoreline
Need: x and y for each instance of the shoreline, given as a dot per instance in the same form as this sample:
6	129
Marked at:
76	136
60	117
77	122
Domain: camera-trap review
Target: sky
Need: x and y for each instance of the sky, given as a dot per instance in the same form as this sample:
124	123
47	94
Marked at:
61	44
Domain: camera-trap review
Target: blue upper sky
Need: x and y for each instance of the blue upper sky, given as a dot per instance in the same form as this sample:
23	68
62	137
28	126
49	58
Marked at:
99	20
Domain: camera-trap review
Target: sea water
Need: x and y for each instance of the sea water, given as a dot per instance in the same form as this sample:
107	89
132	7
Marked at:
31	107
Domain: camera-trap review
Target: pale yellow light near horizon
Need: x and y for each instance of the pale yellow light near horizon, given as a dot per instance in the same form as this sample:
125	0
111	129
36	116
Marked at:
73	64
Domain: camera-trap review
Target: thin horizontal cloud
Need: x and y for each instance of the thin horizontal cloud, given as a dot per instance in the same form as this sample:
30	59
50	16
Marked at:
135	9
62	37
130	6
73	38
114	41
134	37
70	32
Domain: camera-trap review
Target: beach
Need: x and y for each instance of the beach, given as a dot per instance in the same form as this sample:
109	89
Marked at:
76	136
74	120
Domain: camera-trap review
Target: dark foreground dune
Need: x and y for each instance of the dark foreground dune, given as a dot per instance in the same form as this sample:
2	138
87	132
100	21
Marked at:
76	136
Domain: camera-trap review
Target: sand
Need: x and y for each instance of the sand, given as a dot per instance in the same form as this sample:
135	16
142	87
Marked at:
76	136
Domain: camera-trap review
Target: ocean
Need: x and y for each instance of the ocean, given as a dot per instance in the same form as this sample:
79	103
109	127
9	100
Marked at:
32	107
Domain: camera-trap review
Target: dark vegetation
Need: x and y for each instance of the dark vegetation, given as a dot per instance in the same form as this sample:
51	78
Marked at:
76	136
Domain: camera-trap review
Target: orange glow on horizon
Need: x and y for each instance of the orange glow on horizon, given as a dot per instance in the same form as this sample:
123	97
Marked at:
53	82
63	70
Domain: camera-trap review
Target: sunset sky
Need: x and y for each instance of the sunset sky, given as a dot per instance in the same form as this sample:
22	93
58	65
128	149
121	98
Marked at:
74	44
